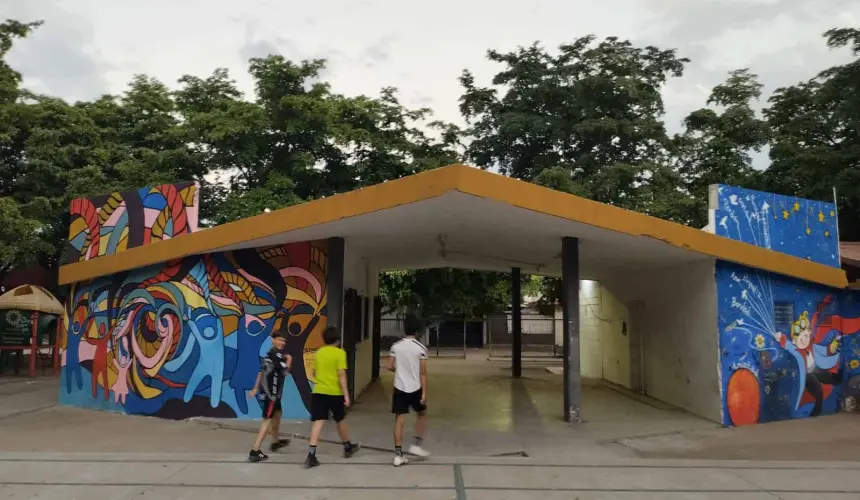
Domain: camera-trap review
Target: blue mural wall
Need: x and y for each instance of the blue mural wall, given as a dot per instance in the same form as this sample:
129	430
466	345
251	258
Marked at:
798	227
788	348
185	338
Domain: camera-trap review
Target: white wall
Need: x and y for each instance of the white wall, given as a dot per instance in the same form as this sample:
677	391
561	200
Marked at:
604	351
677	321
614	338
590	356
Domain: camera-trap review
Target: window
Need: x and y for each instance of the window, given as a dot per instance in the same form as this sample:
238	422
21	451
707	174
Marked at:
783	316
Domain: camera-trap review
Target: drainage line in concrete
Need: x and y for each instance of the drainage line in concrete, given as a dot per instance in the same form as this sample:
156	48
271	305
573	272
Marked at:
459	485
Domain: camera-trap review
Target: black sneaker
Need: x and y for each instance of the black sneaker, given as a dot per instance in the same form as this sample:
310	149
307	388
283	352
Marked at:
257	456
352	450
281	443
311	461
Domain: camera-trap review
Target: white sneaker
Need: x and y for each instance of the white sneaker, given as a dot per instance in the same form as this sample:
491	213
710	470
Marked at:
418	451
400	460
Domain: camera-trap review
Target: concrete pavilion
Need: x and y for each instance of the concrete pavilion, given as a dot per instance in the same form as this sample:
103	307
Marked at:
463	217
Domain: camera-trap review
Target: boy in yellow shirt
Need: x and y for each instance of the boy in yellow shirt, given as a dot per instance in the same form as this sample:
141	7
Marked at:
330	395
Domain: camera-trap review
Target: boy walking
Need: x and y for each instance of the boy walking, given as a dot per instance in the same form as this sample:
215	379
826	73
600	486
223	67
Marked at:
273	372
330	396
408	361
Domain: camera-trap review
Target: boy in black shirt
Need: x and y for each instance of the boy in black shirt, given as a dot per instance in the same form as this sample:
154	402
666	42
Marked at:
273	372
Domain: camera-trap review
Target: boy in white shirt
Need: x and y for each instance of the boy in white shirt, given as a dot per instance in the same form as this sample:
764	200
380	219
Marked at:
408	361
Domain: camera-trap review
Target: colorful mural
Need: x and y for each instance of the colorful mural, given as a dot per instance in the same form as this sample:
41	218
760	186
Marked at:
109	224
788	348
798	227
185	339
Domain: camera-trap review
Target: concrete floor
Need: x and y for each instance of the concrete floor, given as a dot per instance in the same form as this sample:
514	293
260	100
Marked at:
108	476
479	416
477	409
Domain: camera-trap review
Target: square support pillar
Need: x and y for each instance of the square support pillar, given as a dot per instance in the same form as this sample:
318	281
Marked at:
570	318
516	324
377	336
335	292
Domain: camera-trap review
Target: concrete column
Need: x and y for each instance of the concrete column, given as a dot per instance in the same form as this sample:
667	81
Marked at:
570	313
334	283
516	324
637	351
335	305
377	335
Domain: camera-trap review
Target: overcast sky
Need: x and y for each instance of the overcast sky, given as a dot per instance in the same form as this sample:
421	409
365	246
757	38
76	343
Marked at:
90	47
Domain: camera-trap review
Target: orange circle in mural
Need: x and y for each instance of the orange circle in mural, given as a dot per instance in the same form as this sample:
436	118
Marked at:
743	398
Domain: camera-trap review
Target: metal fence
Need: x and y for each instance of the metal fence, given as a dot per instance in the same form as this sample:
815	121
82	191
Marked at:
454	337
538	336
444	337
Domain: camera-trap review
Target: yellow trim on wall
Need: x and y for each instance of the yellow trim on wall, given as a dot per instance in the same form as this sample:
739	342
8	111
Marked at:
435	183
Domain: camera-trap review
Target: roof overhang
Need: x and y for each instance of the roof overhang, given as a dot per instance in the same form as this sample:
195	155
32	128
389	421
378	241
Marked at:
460	216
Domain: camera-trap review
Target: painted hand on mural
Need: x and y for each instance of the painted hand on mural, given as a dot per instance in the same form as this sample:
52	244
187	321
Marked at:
781	339
209	335
835	343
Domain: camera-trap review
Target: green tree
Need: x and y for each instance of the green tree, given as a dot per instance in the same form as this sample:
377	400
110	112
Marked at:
20	242
716	146
445	291
590	114
586	120
277	192
816	136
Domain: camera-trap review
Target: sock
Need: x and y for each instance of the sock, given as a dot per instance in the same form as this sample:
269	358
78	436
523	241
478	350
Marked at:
312	450
398	450
347	445
418	440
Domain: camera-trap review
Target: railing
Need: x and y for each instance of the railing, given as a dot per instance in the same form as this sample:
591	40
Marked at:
449	337
538	339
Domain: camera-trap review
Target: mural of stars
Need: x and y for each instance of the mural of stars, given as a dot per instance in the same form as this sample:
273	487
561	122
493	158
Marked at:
795	226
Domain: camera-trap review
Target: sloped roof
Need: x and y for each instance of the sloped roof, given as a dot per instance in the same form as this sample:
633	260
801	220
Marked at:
490	210
31	298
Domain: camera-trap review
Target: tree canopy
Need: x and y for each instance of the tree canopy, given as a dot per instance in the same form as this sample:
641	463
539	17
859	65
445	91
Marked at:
586	118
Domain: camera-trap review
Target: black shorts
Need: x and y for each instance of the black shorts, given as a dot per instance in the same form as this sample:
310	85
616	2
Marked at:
323	405
269	406
402	401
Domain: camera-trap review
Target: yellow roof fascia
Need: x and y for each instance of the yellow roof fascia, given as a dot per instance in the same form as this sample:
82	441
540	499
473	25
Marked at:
469	180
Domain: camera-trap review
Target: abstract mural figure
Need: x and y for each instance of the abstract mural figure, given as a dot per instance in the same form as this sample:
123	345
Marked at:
184	338
105	225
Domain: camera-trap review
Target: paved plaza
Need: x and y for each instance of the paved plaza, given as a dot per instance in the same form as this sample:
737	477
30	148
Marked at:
214	476
493	438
